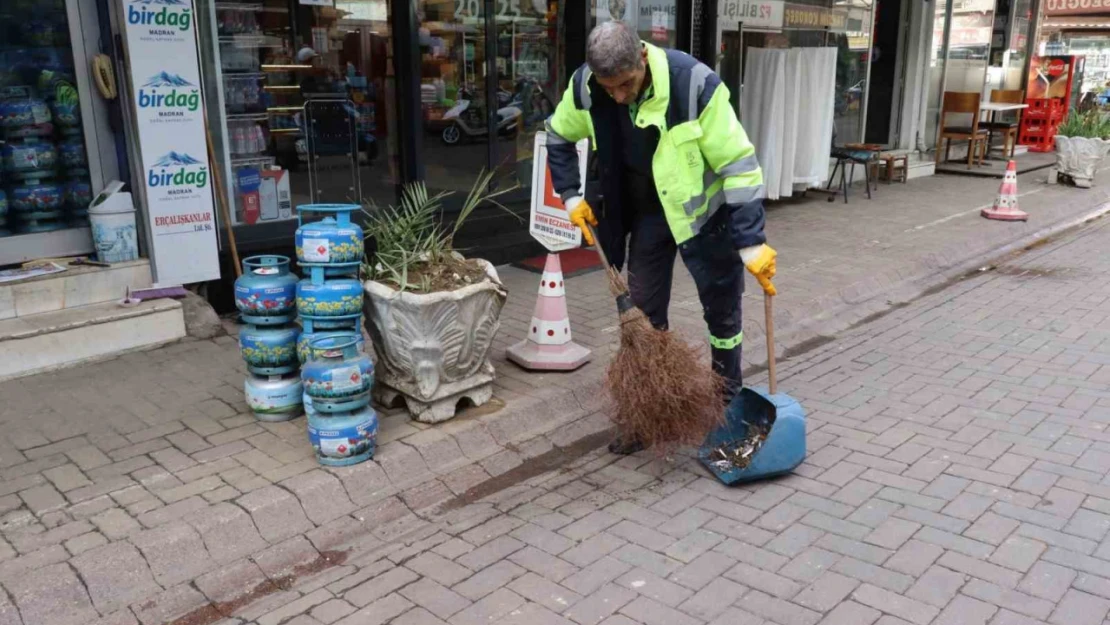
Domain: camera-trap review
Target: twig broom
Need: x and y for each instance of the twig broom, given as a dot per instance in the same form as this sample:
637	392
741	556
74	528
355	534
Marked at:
662	393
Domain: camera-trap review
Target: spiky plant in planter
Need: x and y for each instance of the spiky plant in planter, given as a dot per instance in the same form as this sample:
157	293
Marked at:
1081	144
431	313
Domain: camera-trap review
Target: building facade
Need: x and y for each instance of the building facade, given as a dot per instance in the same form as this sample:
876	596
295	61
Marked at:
406	85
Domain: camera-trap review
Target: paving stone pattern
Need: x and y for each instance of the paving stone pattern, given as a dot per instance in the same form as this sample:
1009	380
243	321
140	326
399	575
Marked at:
957	473
945	444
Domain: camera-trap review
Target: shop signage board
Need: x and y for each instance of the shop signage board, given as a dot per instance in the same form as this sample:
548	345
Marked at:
169	118
1076	7
755	14
549	223
808	17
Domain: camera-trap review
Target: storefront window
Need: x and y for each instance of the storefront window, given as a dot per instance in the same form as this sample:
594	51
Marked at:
527	64
1008	44
938	60
969	45
1095	49
453	92
456	77
841	24
655	20
45	183
1019	40
304	111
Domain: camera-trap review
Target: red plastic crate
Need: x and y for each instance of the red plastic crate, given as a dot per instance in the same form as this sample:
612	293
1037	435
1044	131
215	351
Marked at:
1044	108
1039	123
1042	141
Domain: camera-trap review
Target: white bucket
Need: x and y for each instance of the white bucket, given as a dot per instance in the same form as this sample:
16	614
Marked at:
112	216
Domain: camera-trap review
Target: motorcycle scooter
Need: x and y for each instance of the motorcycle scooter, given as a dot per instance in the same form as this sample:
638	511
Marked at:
468	121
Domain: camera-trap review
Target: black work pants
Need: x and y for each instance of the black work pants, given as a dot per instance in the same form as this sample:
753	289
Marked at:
718	274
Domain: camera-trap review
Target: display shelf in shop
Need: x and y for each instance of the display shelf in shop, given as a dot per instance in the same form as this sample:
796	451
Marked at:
258	161
271	67
249	41
247	117
239	6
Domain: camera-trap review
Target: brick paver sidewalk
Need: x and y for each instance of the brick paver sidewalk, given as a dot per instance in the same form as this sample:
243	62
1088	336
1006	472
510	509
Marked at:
957	474
141	489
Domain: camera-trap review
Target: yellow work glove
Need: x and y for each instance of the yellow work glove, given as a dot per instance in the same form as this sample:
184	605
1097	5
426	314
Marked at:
760	261
580	215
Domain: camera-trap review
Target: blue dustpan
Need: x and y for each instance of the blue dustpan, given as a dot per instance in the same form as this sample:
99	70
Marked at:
785	445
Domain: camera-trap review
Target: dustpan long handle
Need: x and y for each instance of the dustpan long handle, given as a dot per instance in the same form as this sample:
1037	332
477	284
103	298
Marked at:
769	322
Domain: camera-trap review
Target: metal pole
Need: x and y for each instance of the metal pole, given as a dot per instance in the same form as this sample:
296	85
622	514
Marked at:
740	60
867	78
1031	40
406	71
491	86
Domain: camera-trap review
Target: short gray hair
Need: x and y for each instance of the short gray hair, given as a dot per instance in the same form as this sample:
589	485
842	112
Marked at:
613	48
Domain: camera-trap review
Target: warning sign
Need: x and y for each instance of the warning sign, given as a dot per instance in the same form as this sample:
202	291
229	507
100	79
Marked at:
549	223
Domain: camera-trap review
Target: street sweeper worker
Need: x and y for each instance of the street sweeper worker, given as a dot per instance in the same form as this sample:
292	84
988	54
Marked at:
677	174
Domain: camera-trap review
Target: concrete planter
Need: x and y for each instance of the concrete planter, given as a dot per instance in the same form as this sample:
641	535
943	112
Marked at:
1079	157
433	349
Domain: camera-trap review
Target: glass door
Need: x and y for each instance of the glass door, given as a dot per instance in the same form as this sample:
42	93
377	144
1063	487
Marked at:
938	63
454	92
527	60
52	121
962	36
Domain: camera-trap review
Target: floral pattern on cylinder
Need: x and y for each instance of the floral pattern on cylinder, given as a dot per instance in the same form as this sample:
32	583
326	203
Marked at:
264	347
333	298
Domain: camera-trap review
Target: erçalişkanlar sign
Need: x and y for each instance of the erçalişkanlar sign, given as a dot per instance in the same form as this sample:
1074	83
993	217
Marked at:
169	116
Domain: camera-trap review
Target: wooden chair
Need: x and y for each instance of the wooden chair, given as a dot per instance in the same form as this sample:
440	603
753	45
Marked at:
1008	128
962	103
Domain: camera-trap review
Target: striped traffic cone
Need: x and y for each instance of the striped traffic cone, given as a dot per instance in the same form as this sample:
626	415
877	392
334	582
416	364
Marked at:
1006	204
548	346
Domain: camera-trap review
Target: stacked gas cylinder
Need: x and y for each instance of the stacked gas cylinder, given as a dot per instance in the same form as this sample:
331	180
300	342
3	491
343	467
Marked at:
337	375
266	298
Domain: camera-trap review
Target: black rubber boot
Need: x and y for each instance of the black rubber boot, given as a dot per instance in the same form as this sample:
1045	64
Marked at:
624	448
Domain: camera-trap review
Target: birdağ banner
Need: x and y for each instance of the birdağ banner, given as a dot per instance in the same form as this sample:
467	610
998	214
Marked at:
169	117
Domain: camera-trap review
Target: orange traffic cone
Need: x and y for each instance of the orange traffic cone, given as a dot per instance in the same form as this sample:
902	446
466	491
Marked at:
548	346
1006	204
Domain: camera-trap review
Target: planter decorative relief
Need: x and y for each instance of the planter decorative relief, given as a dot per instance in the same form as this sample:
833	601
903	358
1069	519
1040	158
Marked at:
433	349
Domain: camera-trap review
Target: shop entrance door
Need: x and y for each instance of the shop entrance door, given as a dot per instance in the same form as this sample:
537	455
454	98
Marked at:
887	74
62	150
958	60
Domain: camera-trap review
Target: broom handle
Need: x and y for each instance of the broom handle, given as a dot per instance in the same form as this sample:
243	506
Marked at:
221	199
604	258
769	322
597	247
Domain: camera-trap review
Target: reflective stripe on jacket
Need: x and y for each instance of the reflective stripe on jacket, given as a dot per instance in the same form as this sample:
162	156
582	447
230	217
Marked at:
703	162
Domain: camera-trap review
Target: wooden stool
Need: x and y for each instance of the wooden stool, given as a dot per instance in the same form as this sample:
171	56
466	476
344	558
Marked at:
897	161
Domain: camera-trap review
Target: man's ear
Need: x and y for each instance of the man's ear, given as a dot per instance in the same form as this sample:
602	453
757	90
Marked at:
643	54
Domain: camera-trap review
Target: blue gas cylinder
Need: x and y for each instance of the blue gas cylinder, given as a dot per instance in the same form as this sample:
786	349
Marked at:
307	337
331	303
269	350
344	438
266	293
333	242
274	398
337	376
